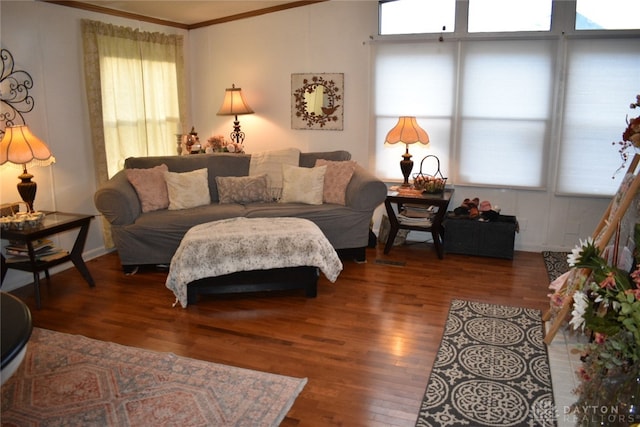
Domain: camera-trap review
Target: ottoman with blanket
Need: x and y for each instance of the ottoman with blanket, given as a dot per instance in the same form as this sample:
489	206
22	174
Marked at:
278	253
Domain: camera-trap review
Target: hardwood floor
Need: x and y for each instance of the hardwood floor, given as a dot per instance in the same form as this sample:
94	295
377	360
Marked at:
366	343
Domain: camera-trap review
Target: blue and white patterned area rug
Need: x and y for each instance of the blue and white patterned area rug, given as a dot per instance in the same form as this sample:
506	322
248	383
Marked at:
491	369
555	263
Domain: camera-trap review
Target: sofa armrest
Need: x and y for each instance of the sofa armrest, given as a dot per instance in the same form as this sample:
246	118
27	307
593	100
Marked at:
365	191
117	200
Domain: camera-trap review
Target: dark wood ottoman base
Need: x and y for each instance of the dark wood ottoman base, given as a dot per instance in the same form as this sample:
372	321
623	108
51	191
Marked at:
276	279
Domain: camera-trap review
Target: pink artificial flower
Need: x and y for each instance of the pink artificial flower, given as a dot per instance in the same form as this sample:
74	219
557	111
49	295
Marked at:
583	374
557	299
634	292
600	338
636	277
609	282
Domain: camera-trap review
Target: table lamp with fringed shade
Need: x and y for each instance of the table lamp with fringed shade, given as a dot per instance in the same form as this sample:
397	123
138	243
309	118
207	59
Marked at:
21	147
407	132
234	104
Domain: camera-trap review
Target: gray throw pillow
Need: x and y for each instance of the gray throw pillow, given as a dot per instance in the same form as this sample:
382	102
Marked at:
242	189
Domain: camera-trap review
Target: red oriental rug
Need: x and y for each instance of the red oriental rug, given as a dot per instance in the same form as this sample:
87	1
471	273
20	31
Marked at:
73	380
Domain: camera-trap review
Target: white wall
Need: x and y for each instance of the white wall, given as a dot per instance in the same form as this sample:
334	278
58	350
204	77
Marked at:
45	40
258	54
261	53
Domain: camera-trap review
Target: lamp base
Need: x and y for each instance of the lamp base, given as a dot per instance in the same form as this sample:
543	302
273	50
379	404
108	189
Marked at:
27	189
237	135
406	166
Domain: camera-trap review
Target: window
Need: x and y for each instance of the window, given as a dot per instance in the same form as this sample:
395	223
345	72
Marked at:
505	107
420	16
428	95
519	104
417	16
603	78
496	96
607	15
509	15
139	107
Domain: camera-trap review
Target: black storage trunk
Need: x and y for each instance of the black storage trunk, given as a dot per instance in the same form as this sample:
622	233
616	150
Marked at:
481	238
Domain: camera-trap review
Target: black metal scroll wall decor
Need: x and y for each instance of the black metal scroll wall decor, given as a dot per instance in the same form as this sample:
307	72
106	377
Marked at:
14	93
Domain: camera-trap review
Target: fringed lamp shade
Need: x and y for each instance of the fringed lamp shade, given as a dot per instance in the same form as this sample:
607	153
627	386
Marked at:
234	104
407	131
21	147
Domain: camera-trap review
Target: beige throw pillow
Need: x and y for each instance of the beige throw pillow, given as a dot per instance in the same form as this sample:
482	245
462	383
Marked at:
150	186
188	189
242	189
270	163
302	185
336	180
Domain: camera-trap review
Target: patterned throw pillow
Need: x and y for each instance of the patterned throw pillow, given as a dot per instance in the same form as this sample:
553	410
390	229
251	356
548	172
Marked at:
188	189
242	189
150	186
336	180
302	185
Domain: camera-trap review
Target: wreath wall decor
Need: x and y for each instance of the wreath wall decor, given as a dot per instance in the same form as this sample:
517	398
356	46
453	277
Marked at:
317	101
14	93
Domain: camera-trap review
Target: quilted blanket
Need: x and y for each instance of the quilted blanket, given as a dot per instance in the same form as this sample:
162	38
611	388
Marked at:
245	244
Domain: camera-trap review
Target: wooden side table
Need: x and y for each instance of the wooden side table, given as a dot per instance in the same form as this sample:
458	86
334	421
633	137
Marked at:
53	223
439	201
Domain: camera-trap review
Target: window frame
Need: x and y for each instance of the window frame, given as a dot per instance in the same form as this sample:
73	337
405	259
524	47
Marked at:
563	16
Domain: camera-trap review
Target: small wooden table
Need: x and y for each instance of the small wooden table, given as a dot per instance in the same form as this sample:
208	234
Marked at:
53	223
440	201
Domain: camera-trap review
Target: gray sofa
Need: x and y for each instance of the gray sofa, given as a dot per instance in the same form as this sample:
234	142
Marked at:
153	237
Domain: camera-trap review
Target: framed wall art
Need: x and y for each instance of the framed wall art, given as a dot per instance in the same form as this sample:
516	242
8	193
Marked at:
317	101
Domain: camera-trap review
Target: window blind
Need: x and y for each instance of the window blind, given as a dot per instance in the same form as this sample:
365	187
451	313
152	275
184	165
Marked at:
486	104
603	78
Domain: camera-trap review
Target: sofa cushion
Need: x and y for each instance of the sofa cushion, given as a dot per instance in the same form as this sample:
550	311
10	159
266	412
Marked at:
187	189
150	186
302	185
170	223
308	160
336	180
242	189
270	163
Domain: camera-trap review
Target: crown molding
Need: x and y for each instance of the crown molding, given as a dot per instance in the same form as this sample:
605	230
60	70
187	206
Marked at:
99	9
